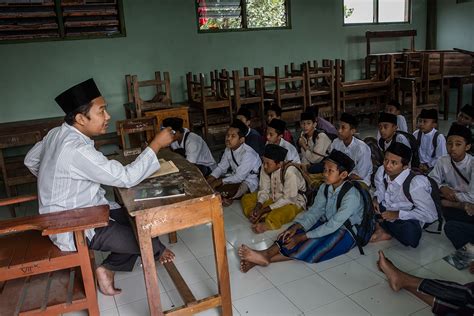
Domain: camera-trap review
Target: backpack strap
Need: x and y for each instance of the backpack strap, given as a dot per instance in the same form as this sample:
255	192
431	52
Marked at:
381	144
459	172
185	139
435	144
406	186
233	157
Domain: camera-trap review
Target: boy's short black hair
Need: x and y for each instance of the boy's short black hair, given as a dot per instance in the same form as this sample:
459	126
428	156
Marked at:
468	110
241	127
70	118
175	123
245	113
395	103
275	108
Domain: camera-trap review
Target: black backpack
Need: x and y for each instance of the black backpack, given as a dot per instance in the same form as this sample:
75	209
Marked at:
435	141
414	145
367	226
182	151
435	195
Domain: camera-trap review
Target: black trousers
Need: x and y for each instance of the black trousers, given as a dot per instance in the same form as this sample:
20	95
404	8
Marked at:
408	232
118	238
459	233
455	214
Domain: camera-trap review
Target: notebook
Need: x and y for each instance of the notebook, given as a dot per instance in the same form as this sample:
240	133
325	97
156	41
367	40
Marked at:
166	167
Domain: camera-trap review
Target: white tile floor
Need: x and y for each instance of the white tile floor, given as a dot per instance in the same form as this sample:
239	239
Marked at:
346	285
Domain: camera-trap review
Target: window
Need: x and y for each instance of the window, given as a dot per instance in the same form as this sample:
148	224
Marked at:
376	11
31	20
226	15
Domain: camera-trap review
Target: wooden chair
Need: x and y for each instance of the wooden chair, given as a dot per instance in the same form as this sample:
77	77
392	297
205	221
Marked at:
13	169
248	89
38	278
319	82
139	132
136	105
208	98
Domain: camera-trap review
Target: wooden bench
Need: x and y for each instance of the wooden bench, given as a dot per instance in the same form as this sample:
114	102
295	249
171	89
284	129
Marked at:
38	278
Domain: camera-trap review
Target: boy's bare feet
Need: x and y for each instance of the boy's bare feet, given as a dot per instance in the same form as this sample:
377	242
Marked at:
166	256
245	266
259	228
253	256
105	280
394	276
380	234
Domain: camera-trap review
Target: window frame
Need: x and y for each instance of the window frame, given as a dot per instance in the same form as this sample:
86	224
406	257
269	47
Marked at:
243	5
61	27
376	15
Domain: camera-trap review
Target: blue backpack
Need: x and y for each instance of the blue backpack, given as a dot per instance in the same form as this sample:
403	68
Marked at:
367	226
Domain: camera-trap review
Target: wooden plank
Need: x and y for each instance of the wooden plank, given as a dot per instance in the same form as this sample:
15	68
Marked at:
10	295
29	26
95	23
385	34
201	305
181	285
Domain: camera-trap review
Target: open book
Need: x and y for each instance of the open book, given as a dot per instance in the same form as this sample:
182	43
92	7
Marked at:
166	167
152	191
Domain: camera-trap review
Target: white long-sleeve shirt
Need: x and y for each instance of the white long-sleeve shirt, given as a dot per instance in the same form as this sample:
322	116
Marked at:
317	150
246	170
423	208
292	154
197	151
70	172
426	147
289	192
360	153
445	175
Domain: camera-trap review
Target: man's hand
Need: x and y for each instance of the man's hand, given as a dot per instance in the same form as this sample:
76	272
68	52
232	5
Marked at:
295	240
289	233
376	205
448	193
390	215
163	139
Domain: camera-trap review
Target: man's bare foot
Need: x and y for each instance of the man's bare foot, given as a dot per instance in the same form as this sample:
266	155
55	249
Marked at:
259	228
245	266
394	275
380	234
166	256
253	256
227	202
105	280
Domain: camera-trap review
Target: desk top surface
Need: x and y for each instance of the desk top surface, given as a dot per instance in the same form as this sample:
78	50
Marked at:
195	185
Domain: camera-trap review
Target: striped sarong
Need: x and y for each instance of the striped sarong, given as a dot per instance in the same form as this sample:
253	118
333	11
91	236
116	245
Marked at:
319	249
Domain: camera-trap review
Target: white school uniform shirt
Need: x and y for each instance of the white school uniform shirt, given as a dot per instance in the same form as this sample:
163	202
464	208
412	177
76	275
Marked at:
247	170
399	138
423	208
360	153
292	154
70	172
197	151
426	147
445	175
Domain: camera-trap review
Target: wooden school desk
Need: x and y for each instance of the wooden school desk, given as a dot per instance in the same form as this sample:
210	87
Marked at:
158	217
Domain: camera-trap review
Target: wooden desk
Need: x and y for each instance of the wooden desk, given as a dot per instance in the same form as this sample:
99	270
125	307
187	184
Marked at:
161	216
175	111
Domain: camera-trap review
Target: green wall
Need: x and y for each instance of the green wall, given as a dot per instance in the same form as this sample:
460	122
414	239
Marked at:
162	35
455	29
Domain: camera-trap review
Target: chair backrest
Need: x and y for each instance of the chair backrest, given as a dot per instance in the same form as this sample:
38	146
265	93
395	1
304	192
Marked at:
136	133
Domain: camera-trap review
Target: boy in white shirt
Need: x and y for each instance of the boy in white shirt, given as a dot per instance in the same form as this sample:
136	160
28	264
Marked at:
393	107
275	130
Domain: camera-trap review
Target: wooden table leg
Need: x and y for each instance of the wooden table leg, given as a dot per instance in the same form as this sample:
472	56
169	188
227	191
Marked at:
220	251
460	97
173	237
149	268
446	100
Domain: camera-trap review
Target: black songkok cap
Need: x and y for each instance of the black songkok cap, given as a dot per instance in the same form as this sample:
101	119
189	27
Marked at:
245	112
275	152
278	125
79	95
468	110
243	129
341	159
307	116
460	130
429	114
175	123
388	118
349	119
400	149
395	103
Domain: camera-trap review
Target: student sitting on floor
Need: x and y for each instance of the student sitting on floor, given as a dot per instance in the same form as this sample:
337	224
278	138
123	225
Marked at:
252	137
322	123
466	116
431	144
70	173
401	218
274	112
244	162
356	149
191	146
388	130
318	234
393	107
444	297
275	131
454	174
314	143
279	197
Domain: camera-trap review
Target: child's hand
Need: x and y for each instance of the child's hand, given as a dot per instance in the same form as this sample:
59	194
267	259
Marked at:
255	214
255	218
424	168
295	240
448	193
389	215
290	232
302	142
